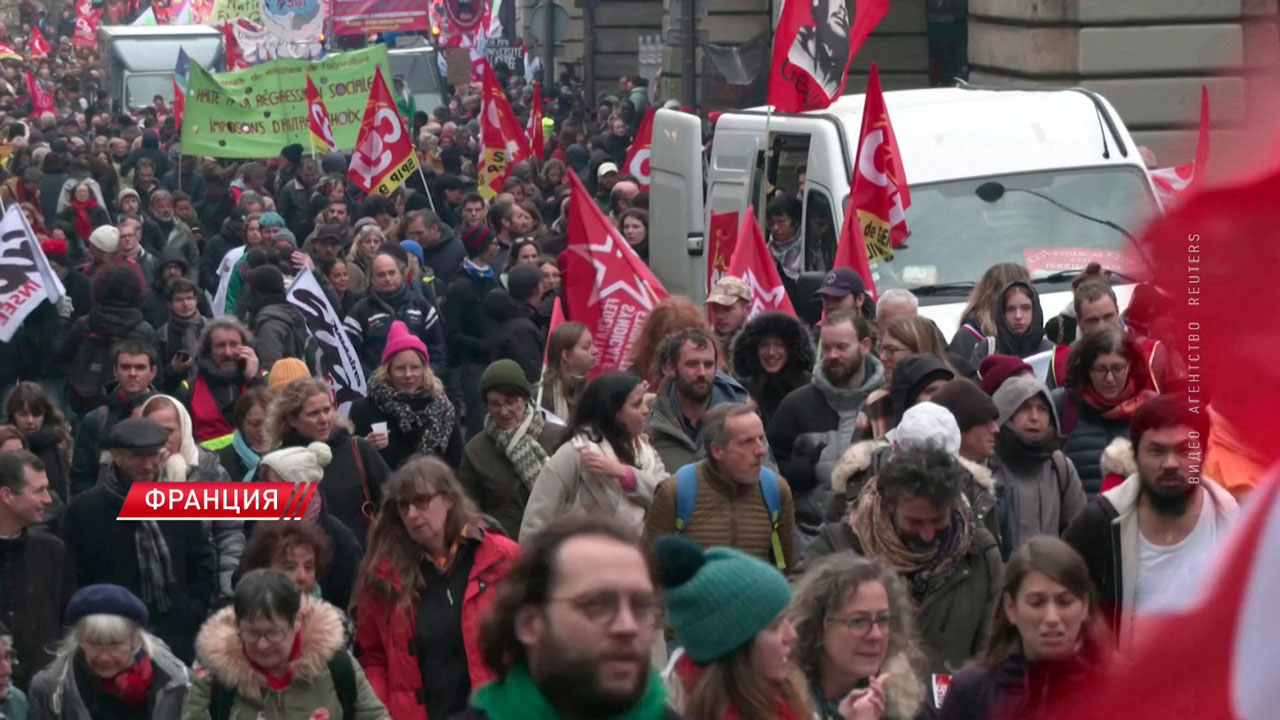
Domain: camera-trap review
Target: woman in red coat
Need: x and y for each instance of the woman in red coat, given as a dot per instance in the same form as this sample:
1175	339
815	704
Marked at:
428	576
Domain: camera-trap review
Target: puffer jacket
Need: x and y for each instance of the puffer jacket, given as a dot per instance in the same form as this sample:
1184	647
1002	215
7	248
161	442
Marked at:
281	331
666	429
491	480
1087	438
517	335
220	655
725	513
56	694
769	390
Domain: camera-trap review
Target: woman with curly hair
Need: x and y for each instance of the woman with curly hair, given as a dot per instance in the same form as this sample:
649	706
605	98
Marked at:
773	355
667	318
855	642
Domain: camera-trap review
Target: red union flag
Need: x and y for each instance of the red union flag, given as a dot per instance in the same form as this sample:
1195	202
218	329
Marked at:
722	234
318	120
812	47
86	32
608	287
502	143
534	128
217	501
234	53
880	192
41	101
38	46
752	263
637	162
384	156
1172	183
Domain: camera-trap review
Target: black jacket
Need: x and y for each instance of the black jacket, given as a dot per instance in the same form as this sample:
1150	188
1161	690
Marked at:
104	326
343	485
470	330
76	284
281	331
105	551
400	445
212	212
769	390
1018	688
370	320
445	257
191	183
26	355
50	190
518	336
92	430
150	149
38	580
1096	537
1087	434
291	202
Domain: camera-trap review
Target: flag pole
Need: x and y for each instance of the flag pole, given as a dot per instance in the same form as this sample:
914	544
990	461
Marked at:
427	188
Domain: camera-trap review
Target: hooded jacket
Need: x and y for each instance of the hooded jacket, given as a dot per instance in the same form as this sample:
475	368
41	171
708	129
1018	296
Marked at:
56	694
517	336
280	330
1008	342
150	148
910	376
221	655
666	429
769	390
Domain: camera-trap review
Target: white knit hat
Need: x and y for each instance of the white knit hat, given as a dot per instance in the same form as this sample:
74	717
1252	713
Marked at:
928	423
105	238
300	464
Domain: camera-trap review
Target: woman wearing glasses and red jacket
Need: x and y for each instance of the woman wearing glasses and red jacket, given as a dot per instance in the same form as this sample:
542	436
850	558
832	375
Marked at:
428	576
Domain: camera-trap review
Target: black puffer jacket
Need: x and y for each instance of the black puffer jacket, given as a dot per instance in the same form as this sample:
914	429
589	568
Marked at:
1087	437
518	336
768	390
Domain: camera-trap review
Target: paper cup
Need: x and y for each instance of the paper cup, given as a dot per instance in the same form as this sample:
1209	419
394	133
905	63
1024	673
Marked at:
379	427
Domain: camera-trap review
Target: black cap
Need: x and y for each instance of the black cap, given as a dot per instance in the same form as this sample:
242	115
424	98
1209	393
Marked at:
137	433
841	281
332	232
292	153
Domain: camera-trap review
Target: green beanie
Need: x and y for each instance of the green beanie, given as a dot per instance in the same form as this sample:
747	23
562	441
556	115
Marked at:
716	601
505	373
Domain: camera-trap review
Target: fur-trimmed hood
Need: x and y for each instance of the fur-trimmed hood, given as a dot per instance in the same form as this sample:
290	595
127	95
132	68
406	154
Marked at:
1118	458
904	692
982	474
219	650
871	454
800	352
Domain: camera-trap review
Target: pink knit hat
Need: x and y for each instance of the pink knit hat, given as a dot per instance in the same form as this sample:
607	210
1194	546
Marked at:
399	338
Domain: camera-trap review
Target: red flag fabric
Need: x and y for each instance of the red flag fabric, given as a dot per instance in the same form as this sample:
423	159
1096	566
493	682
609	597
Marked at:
752	263
851	249
812	48
86	32
41	100
1172	183
880	191
502	143
179	103
318	120
608	287
637	161
231	48
37	45
722	235
534	128
557	317
384	156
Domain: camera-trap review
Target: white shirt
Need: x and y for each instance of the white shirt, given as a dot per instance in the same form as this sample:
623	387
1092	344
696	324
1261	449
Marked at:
1170	575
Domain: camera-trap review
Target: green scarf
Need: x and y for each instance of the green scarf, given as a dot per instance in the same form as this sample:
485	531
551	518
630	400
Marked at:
516	696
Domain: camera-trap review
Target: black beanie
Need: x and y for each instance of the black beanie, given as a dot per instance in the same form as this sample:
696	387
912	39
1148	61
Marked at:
292	153
968	402
266	282
523	281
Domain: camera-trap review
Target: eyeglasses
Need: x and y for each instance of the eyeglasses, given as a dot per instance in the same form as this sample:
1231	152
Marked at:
250	636
862	622
421	502
602	608
1117	371
508	403
96	648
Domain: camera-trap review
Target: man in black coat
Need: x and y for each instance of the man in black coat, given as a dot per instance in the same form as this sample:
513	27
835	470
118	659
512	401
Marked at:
442	251
36	577
521	335
469	329
390	298
133	365
171	566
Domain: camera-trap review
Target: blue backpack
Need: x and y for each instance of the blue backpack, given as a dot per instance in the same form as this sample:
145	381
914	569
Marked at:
687	495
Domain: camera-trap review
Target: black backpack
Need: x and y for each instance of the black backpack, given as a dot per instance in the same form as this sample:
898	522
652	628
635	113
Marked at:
90	370
221	697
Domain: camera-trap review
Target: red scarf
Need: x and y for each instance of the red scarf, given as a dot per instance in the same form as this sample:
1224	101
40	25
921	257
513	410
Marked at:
688	672
84	226
280	682
1120	407
130	687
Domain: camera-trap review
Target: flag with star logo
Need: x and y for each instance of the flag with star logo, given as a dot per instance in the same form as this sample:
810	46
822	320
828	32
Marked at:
608	287
752	263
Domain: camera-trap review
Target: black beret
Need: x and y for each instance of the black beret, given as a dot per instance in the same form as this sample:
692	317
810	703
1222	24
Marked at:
292	153
137	433
105	599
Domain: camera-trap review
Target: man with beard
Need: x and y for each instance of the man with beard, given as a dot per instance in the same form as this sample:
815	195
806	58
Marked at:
728	307
814	424
225	369
913	518
1149	541
162	229
571	631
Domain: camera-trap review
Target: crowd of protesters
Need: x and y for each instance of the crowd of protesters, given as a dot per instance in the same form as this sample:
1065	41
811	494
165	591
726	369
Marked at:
761	519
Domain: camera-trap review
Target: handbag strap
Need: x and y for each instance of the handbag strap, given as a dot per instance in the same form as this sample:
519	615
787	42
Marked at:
367	508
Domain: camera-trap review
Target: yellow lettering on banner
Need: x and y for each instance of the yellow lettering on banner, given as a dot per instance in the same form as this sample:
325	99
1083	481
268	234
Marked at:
875	231
398	175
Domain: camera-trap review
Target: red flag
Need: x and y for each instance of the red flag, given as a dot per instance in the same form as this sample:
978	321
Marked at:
179	103
318	120
231	47
637	161
752	263
851	249
607	286
811	54
557	317
1173	182
86	33
880	192
534	128
384	156
722	235
41	100
502	143
37	45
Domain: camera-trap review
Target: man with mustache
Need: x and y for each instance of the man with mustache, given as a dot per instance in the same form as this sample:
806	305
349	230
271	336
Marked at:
1150	541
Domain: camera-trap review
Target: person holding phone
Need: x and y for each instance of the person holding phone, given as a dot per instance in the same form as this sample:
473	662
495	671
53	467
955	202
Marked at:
178	339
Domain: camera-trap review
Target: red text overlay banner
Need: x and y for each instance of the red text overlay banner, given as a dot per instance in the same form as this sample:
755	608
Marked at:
216	501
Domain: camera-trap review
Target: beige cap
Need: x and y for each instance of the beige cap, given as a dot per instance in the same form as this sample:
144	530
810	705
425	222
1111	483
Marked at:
729	290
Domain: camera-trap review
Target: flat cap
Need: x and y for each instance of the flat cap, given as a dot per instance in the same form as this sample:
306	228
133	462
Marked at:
137	434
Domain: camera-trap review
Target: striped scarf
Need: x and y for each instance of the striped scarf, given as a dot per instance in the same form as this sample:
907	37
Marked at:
154	563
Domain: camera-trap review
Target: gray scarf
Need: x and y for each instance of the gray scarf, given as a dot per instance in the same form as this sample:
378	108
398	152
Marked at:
154	563
520	445
787	256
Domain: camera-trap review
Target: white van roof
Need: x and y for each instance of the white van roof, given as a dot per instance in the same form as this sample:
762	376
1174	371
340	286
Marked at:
953	133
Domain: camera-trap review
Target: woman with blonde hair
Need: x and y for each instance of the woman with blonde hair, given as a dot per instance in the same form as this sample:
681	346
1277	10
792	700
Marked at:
571	353
978	319
428	576
855	642
301	413
364	247
667	318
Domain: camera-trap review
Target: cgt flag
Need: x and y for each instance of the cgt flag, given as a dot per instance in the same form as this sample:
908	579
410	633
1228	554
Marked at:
502	143
86	32
384	156
38	46
41	101
637	162
752	263
608	287
880	192
722	234
318	121
25	276
1172	183
812	47
534	127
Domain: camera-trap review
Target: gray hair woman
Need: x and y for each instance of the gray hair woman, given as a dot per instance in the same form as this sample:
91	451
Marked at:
108	666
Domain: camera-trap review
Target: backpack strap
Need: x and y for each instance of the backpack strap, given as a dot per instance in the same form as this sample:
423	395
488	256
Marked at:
686	495
1060	469
773	504
367	509
343	673
221	698
991	345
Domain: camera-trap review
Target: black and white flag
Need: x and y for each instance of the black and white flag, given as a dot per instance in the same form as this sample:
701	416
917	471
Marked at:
26	280
338	360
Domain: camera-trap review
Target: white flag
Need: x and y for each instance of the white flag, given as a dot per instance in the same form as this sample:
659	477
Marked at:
26	279
338	360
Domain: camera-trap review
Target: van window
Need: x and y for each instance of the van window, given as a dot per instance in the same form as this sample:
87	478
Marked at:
140	88
819	232
790	160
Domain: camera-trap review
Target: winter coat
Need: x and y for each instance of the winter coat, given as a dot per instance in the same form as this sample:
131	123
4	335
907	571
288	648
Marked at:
58	694
808	436
1087	437
386	627
158	235
370	321
401	445
1018	688
221	657
38	578
215	249
445	257
563	488
105	325
104	551
224	391
92	431
50	190
292	202
470	331
768	390
150	149
666	430
1106	535
725	512
67	220
518	335
904	693
47	444
26	355
1006	341
170	341
281	331
343	487
191	182
491	480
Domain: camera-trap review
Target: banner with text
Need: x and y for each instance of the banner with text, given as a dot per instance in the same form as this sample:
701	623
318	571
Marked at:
26	280
232	10
355	17
254	112
339	363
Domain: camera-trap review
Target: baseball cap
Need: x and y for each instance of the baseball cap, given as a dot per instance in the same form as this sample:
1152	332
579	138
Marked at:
841	281
729	290
606	168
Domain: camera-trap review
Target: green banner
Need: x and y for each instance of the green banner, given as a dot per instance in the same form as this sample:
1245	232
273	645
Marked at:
253	113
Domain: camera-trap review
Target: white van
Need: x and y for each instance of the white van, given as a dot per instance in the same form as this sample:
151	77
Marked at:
995	175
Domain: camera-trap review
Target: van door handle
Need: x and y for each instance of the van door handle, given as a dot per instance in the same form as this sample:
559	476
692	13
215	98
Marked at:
694	244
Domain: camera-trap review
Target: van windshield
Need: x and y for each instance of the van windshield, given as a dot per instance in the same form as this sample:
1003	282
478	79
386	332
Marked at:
960	228
141	88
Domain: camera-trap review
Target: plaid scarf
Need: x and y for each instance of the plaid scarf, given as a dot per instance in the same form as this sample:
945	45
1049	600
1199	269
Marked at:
521	445
925	571
154	563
